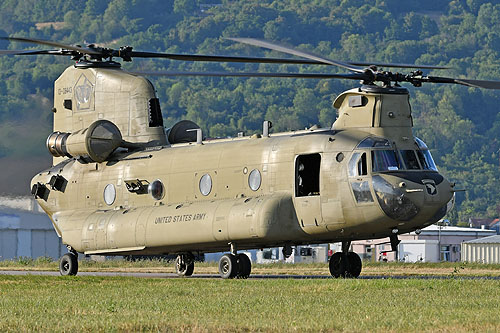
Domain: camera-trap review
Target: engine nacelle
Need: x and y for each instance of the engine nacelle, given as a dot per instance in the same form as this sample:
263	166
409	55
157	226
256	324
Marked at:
96	142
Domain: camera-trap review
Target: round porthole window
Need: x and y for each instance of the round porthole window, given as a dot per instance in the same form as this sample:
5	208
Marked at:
206	184
109	194
254	179
340	157
156	190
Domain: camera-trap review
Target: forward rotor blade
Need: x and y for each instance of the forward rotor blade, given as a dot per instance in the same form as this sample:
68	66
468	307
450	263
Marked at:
350	76
54	44
194	57
295	52
485	84
396	65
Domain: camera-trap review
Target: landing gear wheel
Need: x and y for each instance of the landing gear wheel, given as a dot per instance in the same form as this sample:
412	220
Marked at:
228	266
244	266
68	264
338	265
355	265
184	266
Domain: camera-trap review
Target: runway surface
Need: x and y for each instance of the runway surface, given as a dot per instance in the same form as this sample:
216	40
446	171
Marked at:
256	276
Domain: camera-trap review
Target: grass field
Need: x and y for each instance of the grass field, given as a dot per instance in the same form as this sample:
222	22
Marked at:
44	303
369	268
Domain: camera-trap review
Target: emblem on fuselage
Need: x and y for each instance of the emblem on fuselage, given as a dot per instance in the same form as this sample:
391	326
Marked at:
83	93
430	185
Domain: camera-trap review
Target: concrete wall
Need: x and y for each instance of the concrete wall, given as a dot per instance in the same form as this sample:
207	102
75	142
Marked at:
481	252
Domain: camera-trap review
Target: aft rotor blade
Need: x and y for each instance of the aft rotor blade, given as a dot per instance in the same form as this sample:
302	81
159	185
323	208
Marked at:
195	57
295	52
350	76
485	84
23	52
54	44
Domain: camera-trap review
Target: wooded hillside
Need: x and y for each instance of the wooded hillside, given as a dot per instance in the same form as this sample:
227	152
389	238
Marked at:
461	125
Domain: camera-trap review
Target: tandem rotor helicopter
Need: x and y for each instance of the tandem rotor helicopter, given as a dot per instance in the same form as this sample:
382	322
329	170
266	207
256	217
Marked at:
120	185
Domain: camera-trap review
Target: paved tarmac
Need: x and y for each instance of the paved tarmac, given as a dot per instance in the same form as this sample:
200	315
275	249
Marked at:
255	276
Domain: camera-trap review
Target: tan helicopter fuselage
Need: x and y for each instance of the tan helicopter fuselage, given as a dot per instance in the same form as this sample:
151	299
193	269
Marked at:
301	187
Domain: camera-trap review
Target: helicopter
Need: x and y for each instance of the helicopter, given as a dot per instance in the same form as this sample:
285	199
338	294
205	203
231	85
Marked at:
122	185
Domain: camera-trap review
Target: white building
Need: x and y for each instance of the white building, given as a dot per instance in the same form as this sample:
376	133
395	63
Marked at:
485	250
433	244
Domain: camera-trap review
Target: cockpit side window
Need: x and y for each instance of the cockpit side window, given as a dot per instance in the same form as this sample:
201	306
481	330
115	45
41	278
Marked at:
426	160
357	165
424	155
362	171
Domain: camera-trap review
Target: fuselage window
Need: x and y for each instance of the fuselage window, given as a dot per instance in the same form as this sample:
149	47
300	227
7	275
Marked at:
254	179
205	184
384	160
307	169
109	194
410	159
156	190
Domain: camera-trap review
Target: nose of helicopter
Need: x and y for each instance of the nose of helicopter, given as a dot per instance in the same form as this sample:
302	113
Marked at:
413	196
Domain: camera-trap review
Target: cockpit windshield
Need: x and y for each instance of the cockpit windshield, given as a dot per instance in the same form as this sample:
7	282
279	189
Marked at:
410	159
386	157
385	160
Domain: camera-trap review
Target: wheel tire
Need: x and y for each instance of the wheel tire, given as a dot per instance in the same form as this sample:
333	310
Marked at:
228	266
355	265
182	269
189	269
68	264
244	266
338	265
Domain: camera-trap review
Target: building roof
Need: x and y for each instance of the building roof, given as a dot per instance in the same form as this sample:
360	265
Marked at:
486	240
456	231
434	227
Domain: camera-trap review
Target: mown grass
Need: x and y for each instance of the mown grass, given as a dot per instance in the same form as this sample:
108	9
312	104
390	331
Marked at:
159	266
44	303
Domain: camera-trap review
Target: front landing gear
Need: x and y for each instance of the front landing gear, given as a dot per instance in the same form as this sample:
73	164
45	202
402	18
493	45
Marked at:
345	265
235	266
68	264
184	264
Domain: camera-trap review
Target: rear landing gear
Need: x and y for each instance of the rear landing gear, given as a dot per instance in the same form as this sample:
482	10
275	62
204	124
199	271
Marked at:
184	264
68	264
235	266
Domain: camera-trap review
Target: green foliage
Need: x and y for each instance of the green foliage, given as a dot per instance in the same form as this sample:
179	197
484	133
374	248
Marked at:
460	125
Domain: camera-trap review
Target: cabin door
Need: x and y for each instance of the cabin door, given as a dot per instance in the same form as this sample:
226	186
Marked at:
307	192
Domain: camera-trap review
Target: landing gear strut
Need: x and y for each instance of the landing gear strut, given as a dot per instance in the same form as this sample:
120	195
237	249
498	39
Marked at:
345	264
235	265
68	264
184	264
